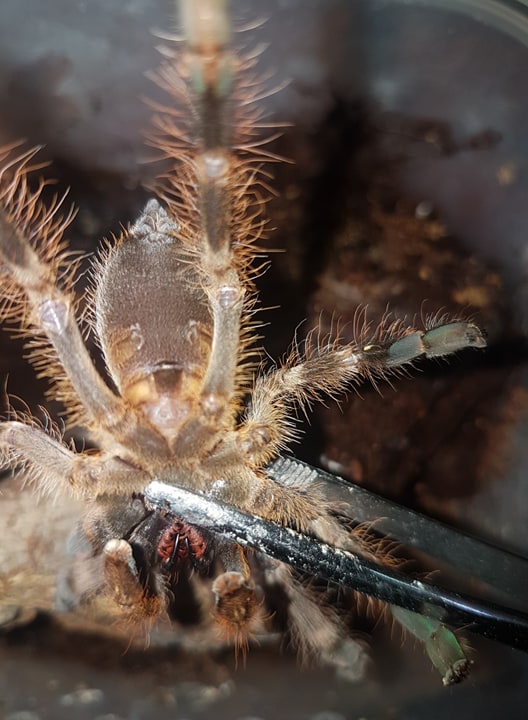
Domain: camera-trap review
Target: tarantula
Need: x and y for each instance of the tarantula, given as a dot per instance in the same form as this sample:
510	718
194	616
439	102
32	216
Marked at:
171	307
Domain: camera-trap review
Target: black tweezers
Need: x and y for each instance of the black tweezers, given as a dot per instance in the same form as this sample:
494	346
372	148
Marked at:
499	577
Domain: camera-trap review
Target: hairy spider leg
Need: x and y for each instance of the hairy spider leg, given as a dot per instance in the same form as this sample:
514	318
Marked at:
327	368
210	66
51	465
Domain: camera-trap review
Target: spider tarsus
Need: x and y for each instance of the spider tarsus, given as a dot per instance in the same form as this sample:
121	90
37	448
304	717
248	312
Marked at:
442	340
235	599
133	594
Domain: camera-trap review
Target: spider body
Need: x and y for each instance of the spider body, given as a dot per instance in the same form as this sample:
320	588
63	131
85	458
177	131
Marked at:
171	308
156	360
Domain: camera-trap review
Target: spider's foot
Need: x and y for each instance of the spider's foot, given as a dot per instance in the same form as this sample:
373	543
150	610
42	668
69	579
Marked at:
236	604
125	584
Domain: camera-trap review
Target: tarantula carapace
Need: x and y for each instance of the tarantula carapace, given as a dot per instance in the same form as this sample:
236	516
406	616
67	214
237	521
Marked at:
171	308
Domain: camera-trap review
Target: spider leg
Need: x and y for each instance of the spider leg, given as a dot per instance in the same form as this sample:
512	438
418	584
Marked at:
236	597
328	368
124	539
217	202
51	464
317	630
212	175
140	597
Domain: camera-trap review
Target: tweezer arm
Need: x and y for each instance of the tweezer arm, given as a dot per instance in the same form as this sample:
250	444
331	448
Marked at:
504	574
308	554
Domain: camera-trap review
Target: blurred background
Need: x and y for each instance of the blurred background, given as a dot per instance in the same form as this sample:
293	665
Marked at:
406	122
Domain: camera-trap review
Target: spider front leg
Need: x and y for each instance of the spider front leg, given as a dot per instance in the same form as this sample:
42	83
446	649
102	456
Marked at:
130	539
213	184
217	203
